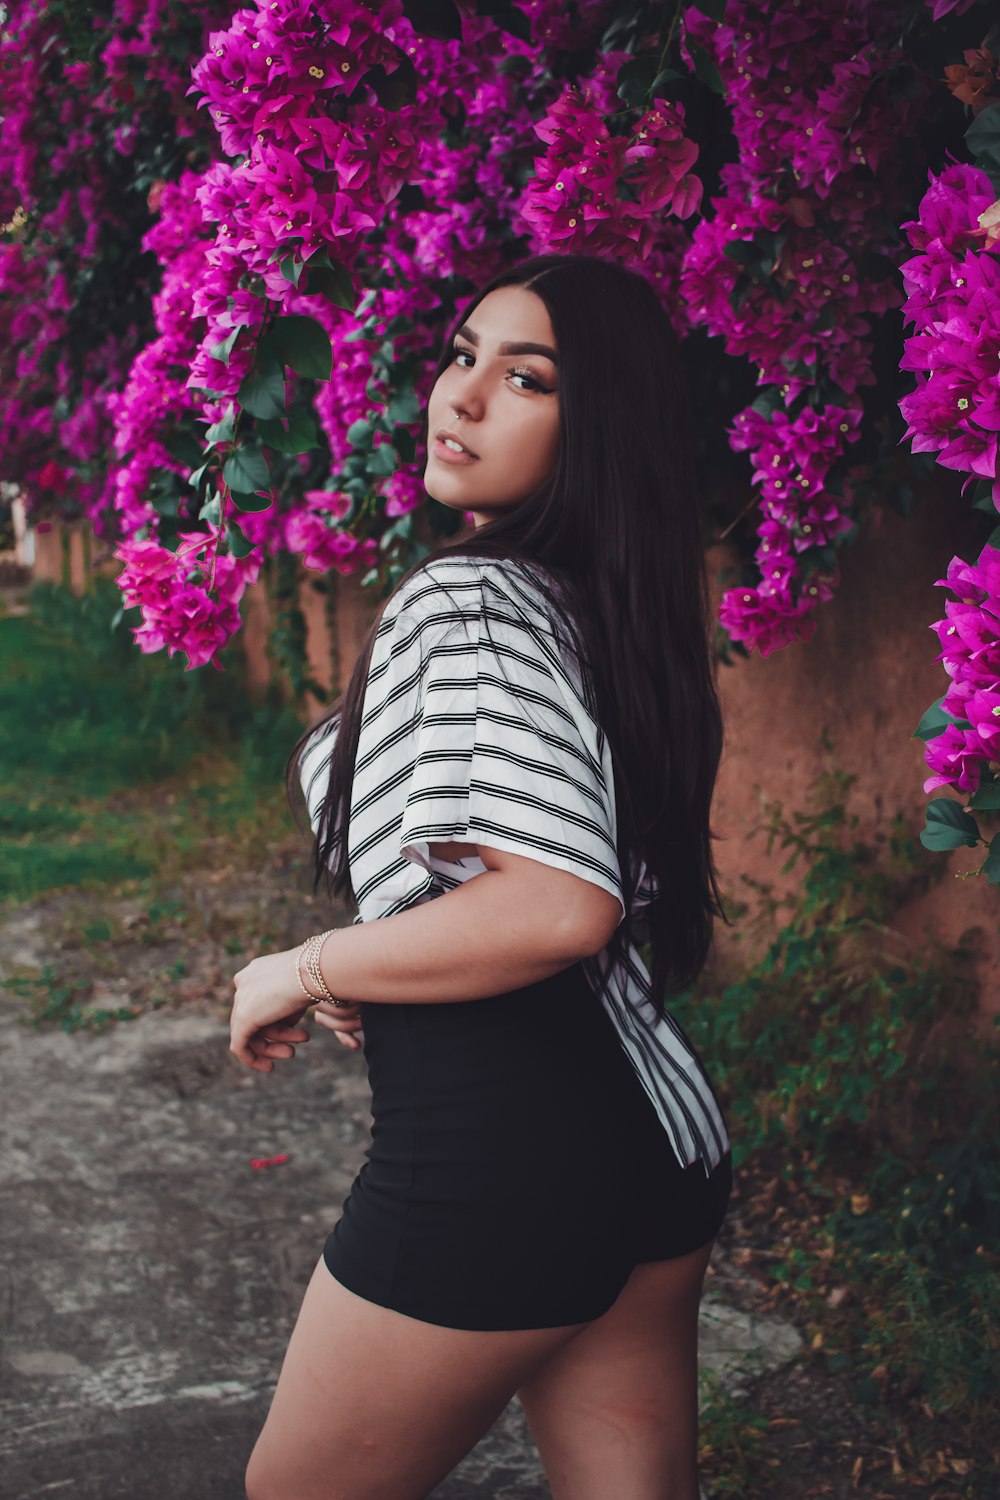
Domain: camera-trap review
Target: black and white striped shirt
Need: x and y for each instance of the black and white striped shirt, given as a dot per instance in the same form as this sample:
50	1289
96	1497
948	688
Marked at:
476	727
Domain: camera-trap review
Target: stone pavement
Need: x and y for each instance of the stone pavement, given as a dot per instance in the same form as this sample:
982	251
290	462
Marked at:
152	1276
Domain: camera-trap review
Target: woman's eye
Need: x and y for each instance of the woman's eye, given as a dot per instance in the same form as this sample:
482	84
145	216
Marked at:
523	374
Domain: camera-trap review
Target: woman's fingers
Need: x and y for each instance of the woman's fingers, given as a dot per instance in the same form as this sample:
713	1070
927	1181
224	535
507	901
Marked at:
275	1042
285	1031
344	1021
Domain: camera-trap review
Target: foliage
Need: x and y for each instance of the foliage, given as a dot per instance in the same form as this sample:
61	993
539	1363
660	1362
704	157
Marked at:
54	999
849	1082
86	722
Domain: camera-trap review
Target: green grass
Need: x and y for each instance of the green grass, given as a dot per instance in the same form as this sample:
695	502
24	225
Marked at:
114	765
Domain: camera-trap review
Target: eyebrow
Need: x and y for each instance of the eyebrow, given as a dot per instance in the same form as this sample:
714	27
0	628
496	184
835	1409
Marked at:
465	332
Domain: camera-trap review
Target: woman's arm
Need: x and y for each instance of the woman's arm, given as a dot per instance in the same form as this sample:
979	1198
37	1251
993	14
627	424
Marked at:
517	923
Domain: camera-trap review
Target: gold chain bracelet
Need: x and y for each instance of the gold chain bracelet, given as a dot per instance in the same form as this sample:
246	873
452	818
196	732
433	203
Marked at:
309	954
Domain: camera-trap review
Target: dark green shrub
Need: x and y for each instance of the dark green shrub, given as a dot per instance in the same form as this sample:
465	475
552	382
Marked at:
842	1059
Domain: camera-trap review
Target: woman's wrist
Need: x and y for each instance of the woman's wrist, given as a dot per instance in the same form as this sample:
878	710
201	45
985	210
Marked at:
298	975
308	958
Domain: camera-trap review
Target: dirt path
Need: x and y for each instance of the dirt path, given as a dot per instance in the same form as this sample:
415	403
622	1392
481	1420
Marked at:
152	1274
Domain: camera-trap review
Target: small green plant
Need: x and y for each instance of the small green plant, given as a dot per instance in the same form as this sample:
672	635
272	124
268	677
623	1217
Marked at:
53	1000
733	1449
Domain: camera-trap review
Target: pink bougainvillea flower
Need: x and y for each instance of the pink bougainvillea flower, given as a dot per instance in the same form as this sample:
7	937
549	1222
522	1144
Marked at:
956	757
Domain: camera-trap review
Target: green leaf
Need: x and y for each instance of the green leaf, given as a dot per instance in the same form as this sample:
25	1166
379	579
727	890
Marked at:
287	247
184	447
948	826
991	865
382	462
507	17
936	720
247	470
659	83
982	499
236	542
398	325
304	344
744	253
333	283
299	437
243	500
436	18
986	797
222	351
359	434
222	430
403	407
262	390
291	269
210	510
715	10
983	137
704	68
635	79
405	444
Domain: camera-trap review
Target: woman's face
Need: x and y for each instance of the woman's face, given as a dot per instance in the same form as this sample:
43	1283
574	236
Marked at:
501	400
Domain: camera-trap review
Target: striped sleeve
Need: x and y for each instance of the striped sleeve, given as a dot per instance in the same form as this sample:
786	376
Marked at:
506	754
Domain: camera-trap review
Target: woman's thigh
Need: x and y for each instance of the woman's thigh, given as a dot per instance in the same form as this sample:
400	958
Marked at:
374	1405
615	1412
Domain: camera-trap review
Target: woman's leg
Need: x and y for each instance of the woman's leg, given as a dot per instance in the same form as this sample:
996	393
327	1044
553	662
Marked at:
615	1412
373	1405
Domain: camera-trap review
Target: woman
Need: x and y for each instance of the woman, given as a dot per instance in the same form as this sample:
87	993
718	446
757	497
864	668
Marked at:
523	760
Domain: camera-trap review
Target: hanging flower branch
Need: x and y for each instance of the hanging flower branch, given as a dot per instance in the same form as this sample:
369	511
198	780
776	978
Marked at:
311	186
791	270
953	303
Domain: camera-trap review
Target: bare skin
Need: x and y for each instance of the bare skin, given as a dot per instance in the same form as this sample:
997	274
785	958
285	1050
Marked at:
373	1405
517	922
503	406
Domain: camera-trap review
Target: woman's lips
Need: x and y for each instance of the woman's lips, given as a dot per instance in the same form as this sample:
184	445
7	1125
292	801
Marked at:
449	456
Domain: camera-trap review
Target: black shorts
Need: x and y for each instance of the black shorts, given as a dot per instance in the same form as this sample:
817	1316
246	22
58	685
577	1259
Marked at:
517	1171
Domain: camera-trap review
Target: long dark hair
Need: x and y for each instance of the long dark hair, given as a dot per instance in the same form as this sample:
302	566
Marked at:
618	525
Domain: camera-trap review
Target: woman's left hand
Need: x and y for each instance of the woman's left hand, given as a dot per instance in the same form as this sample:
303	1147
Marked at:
266	1011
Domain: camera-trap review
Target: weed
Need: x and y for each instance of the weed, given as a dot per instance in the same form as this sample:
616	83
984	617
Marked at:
851	1089
56	1001
732	1442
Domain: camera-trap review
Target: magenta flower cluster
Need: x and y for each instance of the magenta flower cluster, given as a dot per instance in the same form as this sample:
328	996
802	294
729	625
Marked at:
172	589
56	429
775	272
970	654
953	303
315	115
575	201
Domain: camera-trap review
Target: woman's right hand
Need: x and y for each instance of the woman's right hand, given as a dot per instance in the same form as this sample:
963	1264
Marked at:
344	1020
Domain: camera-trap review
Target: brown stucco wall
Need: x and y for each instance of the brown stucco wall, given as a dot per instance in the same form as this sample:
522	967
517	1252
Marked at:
866	677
